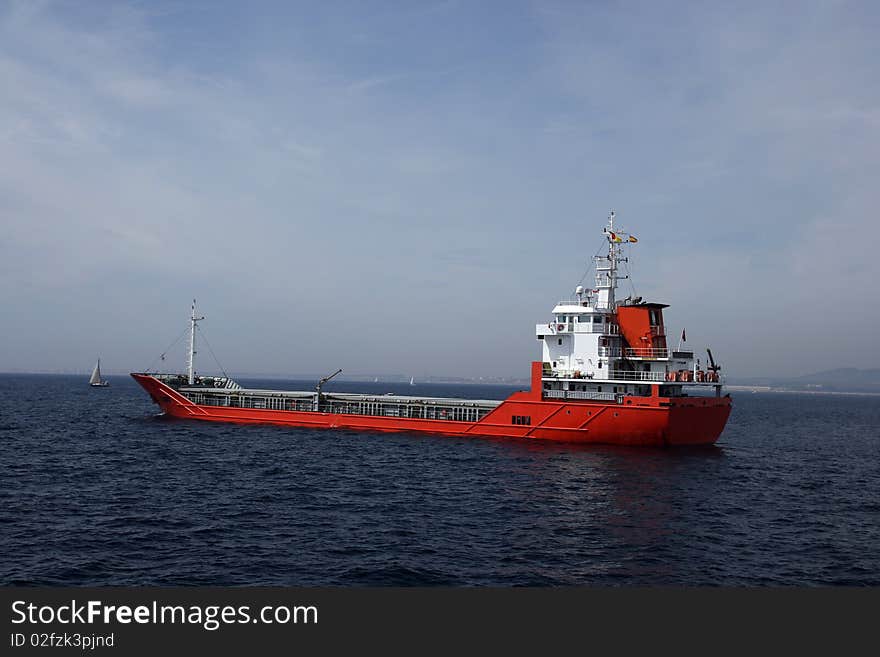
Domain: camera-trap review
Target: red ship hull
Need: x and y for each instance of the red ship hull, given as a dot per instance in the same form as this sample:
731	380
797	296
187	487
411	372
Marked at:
637	421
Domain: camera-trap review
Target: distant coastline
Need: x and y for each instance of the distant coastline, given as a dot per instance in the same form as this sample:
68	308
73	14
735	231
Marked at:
770	389
353	378
844	381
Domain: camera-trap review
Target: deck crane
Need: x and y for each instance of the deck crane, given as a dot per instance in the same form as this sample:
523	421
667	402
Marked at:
320	385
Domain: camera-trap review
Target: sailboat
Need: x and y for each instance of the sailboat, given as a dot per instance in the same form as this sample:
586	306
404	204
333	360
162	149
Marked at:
96	381
412	380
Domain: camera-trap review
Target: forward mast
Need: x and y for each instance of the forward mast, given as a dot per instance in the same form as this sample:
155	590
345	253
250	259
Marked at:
191	354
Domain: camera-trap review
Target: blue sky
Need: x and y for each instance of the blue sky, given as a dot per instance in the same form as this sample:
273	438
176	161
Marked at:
409	187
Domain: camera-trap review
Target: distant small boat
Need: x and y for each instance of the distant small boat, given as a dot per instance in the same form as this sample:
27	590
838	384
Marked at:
95	380
412	380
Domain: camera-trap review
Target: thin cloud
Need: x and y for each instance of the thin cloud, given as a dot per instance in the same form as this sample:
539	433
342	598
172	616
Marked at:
438	169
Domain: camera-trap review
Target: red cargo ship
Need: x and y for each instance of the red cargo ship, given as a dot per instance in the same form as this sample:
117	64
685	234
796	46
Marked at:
606	376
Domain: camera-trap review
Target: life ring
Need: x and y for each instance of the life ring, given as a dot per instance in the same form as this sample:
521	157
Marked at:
560	327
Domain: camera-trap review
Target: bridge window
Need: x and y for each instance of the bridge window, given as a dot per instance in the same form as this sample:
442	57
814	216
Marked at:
597	319
521	419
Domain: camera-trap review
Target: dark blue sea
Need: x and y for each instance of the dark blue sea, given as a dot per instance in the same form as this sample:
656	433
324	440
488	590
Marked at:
96	489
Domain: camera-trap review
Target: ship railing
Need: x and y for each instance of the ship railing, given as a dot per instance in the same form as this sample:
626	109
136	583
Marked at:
170	379
638	352
410	410
559	328
568	374
206	382
590	303
579	394
428	409
606	375
688	377
646	352
691	377
624	375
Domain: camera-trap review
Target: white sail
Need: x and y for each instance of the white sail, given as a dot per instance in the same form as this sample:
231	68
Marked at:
96	379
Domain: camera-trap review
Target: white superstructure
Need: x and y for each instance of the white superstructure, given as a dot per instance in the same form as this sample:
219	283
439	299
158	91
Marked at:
595	346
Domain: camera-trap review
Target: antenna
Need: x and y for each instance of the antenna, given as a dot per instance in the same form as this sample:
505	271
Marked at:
606	268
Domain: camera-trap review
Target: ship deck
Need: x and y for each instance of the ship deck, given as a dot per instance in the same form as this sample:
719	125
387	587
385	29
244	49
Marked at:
628	419
388	405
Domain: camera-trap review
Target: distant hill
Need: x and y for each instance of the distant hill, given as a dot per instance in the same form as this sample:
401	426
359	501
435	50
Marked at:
842	379
844	376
